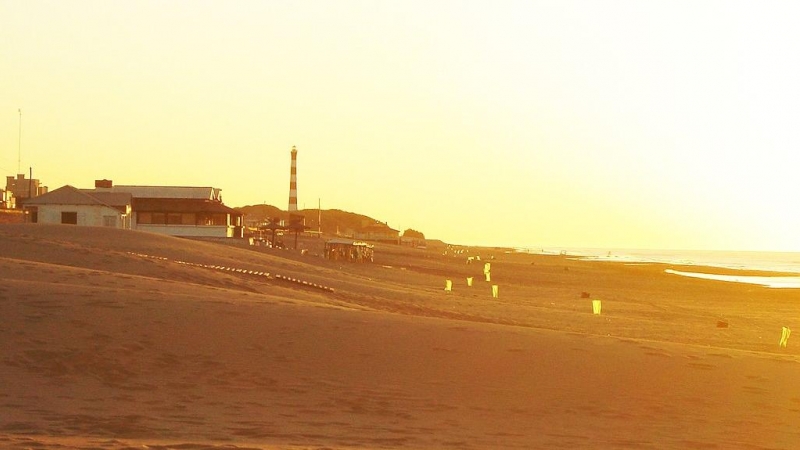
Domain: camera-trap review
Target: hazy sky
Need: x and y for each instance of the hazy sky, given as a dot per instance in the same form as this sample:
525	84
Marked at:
608	124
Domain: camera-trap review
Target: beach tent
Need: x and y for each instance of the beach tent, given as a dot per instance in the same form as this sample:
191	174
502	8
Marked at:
348	250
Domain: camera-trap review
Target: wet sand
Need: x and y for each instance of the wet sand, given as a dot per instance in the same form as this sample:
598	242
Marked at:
103	347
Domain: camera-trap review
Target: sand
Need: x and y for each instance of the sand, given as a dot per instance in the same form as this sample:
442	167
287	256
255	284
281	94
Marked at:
105	348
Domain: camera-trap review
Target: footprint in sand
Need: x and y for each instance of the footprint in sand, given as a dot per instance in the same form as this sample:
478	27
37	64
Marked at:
702	366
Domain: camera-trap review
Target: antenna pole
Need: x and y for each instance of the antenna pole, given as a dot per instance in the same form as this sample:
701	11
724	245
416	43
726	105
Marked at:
19	142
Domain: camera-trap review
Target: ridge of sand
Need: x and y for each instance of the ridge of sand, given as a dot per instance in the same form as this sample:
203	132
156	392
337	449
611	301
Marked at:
101	349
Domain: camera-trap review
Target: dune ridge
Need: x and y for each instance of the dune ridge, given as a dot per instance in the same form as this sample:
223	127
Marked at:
103	348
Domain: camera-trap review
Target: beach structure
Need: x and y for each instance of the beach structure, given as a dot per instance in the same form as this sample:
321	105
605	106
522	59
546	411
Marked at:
273	225
412	241
293	182
188	211
173	210
69	205
378	231
297	225
348	250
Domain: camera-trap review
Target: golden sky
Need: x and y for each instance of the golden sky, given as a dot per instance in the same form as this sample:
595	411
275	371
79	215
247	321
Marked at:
609	124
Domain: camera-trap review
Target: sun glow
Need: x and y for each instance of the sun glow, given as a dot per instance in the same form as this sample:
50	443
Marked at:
624	124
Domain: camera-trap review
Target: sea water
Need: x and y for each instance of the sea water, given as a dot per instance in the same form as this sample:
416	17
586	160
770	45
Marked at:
786	262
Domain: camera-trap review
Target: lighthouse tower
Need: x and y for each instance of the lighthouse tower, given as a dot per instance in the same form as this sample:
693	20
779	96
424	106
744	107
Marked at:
293	182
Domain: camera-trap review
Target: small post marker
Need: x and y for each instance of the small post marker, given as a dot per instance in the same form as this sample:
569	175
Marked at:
596	307
469	281
495	291
448	285
785	336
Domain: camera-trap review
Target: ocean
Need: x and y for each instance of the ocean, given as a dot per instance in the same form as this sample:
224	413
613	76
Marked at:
786	262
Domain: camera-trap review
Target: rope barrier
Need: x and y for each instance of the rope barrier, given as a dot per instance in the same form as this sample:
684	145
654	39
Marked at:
239	270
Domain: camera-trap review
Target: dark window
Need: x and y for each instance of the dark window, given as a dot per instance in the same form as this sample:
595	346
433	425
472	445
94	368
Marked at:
174	218
159	219
212	219
69	217
144	218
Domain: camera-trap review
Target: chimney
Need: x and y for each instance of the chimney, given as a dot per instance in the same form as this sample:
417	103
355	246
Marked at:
104	184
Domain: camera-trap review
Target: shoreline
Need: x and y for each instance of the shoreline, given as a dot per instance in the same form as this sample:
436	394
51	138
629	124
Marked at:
758	261
770	281
783	279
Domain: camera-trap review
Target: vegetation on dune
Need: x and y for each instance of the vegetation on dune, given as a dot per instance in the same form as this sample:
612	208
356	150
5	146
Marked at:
411	233
333	220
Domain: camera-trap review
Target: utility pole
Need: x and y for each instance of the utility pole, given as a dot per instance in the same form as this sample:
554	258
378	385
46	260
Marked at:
19	143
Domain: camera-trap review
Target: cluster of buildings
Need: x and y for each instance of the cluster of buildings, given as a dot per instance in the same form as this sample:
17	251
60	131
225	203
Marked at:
173	210
18	189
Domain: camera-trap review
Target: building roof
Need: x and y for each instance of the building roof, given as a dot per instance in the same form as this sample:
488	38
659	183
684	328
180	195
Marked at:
182	205
68	195
339	241
182	192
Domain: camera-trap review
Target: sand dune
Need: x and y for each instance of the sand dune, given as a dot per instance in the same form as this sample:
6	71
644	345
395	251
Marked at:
102	348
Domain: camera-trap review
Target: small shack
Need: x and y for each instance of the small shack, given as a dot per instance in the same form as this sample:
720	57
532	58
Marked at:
348	250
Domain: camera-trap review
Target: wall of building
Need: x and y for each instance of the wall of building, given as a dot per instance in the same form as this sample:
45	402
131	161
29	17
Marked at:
87	215
224	229
11	216
188	230
7	200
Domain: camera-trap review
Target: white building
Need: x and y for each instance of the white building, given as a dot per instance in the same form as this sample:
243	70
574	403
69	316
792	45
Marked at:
7	200
69	205
186	217
178	210
172	210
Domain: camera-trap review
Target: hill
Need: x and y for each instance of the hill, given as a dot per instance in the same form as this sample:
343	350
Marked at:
333	220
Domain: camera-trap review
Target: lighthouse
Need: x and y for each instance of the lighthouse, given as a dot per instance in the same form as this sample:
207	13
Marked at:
293	182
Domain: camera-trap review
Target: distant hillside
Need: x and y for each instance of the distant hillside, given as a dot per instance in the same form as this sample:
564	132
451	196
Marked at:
333	220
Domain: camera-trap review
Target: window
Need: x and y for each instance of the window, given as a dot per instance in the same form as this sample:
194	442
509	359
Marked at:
174	218
212	219
188	219
69	217
144	218
110	221
159	218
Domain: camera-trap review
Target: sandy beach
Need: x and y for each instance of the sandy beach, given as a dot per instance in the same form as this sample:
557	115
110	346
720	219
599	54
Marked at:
121	339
